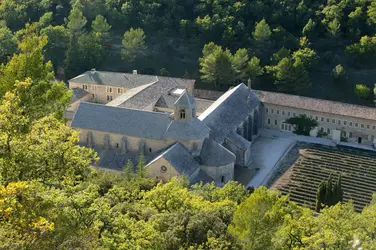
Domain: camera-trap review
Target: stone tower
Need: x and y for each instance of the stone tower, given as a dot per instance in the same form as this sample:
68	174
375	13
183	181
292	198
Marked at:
185	107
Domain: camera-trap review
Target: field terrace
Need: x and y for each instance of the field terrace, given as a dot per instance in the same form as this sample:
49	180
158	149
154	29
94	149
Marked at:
316	163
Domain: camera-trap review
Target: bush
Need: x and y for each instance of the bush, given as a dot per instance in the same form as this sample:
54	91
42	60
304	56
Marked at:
302	124
363	92
339	73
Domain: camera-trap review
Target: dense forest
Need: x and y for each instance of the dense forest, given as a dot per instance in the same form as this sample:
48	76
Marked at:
325	49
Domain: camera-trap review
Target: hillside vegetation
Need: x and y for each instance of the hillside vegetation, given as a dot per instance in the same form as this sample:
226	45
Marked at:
319	48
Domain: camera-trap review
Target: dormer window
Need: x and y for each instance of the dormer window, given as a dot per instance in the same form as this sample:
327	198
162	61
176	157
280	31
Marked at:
182	114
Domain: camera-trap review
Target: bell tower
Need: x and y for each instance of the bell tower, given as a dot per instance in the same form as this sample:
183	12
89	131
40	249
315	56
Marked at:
185	107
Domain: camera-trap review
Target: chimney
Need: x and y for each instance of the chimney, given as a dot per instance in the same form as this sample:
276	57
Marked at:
134	72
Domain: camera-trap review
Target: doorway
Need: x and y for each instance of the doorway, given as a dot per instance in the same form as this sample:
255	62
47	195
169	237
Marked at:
359	140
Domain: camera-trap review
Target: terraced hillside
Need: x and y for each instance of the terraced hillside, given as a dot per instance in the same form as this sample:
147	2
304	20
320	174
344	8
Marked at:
316	163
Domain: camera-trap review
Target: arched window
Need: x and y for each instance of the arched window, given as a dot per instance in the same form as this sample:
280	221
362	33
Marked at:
182	114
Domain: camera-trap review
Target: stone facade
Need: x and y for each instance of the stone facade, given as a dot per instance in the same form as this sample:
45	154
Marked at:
353	129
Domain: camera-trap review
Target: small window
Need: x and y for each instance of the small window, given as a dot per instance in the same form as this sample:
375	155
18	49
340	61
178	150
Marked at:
350	124
339	122
267	110
322	119
110	90
283	112
93	95
362	125
223	179
343	133
288	114
322	129
345	123
83	86
117	145
327	120
108	97
277	111
149	150
272	111
276	122
328	131
373	127
350	134
333	121
268	121
182	114
356	124
119	90
368	126
316	118
294	114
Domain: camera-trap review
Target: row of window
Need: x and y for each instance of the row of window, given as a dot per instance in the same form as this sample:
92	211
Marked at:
288	127
324	119
108	89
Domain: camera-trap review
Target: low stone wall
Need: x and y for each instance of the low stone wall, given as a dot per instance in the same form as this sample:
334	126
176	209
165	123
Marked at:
207	94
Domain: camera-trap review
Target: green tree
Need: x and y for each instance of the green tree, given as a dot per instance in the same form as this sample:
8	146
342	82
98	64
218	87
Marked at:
216	66
128	170
76	20
101	28
320	196
302	124
258	218
307	56
339	73
371	14
363	92
239	64
254	69
363	53
43	95
134	44
8	43
279	55
262	31
308	29
334	27
291	77
140	168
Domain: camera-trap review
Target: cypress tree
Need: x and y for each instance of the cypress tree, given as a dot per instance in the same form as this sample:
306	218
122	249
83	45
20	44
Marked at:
329	199
320	195
141	166
128	170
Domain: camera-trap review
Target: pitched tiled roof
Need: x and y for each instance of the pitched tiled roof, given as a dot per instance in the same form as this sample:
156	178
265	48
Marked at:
319	105
116	79
137	123
150	95
229	111
168	101
78	93
180	158
214	154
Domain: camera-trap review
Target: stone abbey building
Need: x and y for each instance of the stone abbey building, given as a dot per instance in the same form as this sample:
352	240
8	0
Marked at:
123	115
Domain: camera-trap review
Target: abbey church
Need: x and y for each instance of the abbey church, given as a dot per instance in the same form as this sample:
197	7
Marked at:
124	115
169	126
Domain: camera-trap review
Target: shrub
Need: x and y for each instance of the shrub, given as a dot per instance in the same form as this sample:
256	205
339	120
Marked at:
363	92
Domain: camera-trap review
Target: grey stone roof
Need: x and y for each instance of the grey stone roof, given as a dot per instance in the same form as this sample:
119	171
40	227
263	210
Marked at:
203	104
150	95
185	100
214	154
238	141
78	93
187	130
168	101
180	158
201	176
127	95
318	105
137	123
229	111
115	79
